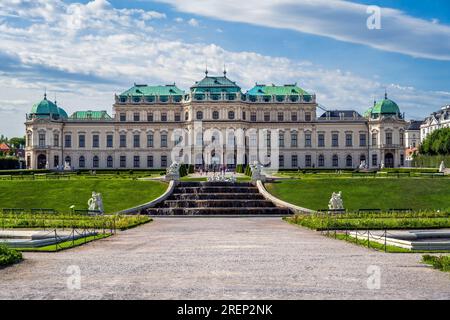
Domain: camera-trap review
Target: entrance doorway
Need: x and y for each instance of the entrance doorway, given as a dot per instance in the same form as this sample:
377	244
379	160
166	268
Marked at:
389	160
41	161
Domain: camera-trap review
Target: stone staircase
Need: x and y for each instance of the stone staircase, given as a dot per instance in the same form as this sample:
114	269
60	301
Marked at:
217	199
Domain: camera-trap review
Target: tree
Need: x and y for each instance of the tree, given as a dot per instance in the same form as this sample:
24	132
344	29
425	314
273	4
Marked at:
16	143
437	143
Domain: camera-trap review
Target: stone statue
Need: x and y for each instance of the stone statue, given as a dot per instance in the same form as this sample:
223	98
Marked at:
336	202
95	203
442	167
382	165
362	166
257	174
173	172
67	166
47	165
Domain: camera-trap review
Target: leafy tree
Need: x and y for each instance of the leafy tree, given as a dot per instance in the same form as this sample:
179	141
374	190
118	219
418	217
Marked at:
437	143
16	142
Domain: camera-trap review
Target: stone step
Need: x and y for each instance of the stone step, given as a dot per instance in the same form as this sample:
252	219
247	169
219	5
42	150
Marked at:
215	189
218	196
217	204
218	211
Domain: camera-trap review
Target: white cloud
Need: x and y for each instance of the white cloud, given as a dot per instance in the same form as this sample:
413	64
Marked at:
337	19
193	22
85	55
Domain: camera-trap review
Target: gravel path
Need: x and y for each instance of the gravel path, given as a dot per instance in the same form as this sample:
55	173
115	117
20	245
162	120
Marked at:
209	258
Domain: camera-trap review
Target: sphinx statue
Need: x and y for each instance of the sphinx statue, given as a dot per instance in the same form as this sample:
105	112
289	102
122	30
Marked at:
336	202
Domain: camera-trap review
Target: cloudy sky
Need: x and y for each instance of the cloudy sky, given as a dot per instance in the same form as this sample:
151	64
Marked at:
82	52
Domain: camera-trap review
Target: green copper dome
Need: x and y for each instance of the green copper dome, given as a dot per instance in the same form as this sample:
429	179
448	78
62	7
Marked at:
47	109
386	106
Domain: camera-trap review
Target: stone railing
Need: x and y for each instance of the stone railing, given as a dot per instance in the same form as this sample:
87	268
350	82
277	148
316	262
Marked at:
281	203
151	204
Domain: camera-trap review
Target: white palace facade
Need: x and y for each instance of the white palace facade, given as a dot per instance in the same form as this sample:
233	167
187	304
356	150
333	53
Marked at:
214	123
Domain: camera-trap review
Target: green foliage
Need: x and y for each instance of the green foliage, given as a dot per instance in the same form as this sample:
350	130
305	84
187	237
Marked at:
9	256
366	193
436	143
183	170
66	245
425	161
438	262
373	221
248	171
9	163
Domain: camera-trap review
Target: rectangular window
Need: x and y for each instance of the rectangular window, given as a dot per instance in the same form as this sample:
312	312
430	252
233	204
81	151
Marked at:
42	140
123	161
109	141
253	117
150	117
267	116
149	161
150	140
402	160
123	117
163	161
294	116
123	141
56	140
109	162
95	141
308	140
68	141
177	117
321	140
402	139
244	115
281	140
164	117
137	141
136	117
308	162
164	140
281	161
294	140
362	140
308	117
349	140
136	162
374	139
280	116
294	160
389	138
335	140
374	160
82	141
268	140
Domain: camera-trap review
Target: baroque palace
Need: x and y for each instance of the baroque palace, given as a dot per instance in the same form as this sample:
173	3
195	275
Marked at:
215	123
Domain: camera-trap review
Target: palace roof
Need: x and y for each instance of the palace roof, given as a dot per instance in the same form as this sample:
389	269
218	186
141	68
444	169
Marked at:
145	90
273	90
215	85
90	115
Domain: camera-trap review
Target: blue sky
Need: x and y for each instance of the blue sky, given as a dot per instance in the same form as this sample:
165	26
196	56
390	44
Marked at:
83	52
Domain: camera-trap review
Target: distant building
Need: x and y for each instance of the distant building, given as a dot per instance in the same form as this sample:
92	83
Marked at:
5	148
412	139
437	120
149	122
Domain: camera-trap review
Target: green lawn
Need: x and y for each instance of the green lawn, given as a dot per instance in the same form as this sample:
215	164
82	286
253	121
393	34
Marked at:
61	194
65	245
415	193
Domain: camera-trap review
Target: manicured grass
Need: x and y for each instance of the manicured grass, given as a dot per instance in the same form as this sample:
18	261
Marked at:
61	194
66	245
438	262
385	194
9	256
372	221
58	221
369	244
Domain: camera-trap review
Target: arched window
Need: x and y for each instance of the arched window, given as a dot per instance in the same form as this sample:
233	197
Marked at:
335	161
68	160
215	115
186	116
199	139
349	161
95	162
321	160
199	115
231	115
82	162
109	162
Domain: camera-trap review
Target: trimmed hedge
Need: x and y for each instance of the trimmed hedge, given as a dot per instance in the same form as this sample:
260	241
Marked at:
9	256
9	163
430	161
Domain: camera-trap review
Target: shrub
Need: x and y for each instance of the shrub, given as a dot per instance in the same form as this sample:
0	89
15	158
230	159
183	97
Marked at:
438	262
9	256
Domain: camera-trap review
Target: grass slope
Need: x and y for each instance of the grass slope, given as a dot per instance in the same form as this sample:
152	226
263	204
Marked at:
419	194
60	195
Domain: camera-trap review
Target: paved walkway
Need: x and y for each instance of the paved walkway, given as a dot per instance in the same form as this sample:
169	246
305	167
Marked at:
210	258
